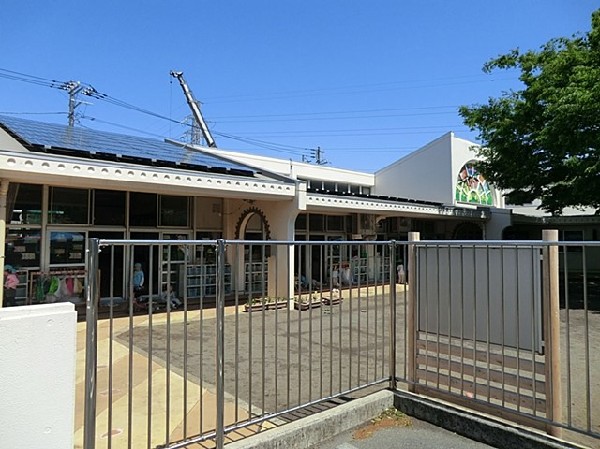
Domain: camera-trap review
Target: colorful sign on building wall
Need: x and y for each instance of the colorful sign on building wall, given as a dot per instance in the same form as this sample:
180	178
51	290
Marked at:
472	187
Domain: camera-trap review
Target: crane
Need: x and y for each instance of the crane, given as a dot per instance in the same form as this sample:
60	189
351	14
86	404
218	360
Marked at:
193	104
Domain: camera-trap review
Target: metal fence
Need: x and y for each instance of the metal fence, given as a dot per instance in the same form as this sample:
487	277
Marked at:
228	338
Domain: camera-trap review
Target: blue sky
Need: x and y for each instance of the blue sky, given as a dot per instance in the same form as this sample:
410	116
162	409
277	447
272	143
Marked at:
367	82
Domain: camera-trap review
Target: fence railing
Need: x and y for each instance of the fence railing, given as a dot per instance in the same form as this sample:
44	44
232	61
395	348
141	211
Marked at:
226	338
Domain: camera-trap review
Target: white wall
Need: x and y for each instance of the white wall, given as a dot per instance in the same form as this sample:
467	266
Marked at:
37	376
9	143
425	174
430	173
499	219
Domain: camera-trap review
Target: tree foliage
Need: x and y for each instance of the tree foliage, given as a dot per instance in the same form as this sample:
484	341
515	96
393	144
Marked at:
543	141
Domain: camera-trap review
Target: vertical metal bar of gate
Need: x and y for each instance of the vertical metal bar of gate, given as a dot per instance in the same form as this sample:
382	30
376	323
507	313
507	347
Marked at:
91	351
220	422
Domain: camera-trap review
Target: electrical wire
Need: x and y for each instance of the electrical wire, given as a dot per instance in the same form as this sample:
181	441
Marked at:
18	76
129	128
264	144
399	128
90	91
344	89
33	113
338	118
357	111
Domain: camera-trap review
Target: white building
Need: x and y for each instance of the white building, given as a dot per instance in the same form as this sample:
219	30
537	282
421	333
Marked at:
60	186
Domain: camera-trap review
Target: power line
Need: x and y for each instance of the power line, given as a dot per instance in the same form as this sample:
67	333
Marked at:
350	89
338	118
357	111
90	91
399	128
18	76
118	125
32	113
354	134
264	144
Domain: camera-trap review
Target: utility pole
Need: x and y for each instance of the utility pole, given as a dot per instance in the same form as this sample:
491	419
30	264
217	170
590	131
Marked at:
73	88
193	134
317	155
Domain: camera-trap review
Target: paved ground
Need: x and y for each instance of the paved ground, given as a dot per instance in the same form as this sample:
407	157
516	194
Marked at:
282	358
348	342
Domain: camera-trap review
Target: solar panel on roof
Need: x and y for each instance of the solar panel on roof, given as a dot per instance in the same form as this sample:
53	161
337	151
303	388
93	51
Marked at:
93	142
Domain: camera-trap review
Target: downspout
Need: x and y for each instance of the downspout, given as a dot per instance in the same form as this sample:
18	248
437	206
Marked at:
3	205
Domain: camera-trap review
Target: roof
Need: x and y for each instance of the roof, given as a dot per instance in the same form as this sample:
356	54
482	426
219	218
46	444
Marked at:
85	142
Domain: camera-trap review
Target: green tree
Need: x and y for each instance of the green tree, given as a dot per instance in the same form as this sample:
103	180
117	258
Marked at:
543	142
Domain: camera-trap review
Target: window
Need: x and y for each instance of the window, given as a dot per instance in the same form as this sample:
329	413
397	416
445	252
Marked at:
315	185
571	236
25	202
301	222
315	222
174	253
143	209
335	223
67	247
109	207
341	187
23	248
174	211
68	206
329	186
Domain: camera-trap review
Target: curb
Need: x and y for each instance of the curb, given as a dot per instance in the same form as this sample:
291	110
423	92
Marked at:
474	426
321	426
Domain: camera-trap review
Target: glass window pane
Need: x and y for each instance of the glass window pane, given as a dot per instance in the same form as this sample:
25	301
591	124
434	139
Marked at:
109	207
335	223
143	209
329	186
315	222
25	201
68	206
174	253
67	247
301	222
174	210
23	248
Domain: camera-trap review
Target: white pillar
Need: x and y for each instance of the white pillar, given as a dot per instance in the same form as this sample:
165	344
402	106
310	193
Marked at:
3	218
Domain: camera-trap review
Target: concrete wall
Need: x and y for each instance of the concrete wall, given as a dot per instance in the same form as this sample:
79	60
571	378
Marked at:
425	174
9	143
37	376
500	219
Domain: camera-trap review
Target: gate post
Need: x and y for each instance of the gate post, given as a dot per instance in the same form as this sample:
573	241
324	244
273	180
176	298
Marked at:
551	309
220	418
393	317
411	312
92	293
